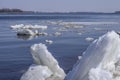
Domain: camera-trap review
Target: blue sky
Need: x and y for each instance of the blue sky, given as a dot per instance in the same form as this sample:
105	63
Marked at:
63	5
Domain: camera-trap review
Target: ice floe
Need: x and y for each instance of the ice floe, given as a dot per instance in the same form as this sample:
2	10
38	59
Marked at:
29	30
22	26
37	72
89	39
66	24
57	33
90	23
49	41
46	66
79	57
54	22
79	33
78	24
101	60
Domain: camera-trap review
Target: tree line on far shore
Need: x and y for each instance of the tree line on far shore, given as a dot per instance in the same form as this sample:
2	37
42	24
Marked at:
10	10
7	10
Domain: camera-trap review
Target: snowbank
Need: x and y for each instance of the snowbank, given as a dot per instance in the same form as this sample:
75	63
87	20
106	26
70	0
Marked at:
101	60
46	63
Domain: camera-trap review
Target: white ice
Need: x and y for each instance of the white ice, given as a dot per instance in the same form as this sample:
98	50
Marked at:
57	33
37	72
90	23
79	33
22	26
49	41
89	39
43	59
101	60
31	30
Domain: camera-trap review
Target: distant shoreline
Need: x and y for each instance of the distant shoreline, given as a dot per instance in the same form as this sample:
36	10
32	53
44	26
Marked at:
19	11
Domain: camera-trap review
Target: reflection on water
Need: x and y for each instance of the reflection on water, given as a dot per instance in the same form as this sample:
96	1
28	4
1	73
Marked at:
26	37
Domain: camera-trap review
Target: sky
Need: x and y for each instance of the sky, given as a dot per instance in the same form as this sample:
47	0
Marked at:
63	5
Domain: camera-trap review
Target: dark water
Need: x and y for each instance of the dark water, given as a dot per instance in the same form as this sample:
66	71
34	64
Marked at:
15	57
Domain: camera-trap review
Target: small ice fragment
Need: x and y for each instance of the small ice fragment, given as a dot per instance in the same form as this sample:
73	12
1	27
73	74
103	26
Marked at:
89	39
79	57
43	33
49	41
22	26
57	33
79	33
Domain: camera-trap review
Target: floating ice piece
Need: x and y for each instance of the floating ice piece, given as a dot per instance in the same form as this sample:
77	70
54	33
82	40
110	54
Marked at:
55	22
89	39
78	26
39	27
61	23
71	25
101	60
57	33
79	57
43	33
79	33
90	23
62	29
22	26
37	72
43	57
46	67
67	24
49	41
29	30
99	74
17	26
